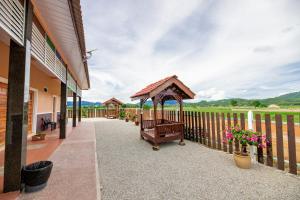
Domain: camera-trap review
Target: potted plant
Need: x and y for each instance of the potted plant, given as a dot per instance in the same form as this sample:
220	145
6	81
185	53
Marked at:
245	138
127	117
136	120
36	175
122	114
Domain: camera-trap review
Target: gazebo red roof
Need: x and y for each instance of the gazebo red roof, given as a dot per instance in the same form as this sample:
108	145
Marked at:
148	89
152	86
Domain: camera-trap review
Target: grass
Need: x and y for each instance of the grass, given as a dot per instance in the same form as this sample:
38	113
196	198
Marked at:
284	112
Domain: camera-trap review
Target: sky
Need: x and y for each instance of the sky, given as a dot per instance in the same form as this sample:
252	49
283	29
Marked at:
220	49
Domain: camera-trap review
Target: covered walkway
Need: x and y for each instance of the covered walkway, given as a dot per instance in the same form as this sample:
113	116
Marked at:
129	169
74	174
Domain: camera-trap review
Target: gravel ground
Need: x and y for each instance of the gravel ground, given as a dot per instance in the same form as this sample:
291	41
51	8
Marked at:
130	169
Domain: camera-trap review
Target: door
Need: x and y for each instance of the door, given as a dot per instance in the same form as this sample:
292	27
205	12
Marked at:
3	106
3	102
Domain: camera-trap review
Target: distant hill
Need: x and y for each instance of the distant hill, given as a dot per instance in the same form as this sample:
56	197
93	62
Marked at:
85	103
283	100
286	99
167	103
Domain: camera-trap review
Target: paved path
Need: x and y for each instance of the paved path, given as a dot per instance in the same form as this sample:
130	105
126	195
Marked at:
130	169
74	174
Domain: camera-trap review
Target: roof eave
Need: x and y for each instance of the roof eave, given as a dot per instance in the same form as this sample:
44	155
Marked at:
78	25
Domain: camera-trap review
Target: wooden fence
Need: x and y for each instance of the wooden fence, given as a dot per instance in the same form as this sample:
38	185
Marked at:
207	128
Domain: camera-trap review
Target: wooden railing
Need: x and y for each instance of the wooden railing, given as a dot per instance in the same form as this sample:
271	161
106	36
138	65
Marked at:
283	150
169	129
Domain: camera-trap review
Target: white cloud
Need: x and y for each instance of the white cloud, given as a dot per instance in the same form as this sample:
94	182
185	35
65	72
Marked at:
226	48
210	94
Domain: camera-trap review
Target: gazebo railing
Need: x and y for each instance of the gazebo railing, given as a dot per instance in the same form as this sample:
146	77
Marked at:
174	128
111	112
149	124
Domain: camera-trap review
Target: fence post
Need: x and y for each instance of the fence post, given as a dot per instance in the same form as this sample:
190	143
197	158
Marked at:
208	129
184	122
196	130
279	142
204	128
236	142
223	132
260	155
291	144
189	123
250	120
269	140
218	131
200	127
250	127
229	126
213	132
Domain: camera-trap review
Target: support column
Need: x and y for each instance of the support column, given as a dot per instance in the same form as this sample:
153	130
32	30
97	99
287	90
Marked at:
63	111
74	108
162	111
79	109
17	106
141	114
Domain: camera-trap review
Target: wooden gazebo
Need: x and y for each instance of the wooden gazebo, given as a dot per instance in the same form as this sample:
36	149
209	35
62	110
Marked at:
162	130
112	108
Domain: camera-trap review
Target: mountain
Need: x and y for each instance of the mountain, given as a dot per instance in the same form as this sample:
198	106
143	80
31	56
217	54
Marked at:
85	103
283	100
167	103
286	99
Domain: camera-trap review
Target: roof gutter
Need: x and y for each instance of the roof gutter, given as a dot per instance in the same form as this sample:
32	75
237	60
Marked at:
79	35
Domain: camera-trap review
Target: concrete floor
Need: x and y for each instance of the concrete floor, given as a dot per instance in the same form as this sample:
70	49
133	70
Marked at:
74	173
130	169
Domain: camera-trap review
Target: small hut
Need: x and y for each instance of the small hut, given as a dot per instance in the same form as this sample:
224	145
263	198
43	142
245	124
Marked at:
162	130
112	108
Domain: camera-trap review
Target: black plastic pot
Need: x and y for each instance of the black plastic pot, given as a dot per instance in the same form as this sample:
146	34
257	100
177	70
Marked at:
36	175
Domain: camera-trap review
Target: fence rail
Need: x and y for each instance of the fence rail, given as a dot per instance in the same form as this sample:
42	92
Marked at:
207	128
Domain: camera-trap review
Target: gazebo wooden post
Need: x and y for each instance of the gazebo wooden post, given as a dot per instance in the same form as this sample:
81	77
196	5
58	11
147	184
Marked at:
155	102
180	111
141	115
181	121
118	111
162	111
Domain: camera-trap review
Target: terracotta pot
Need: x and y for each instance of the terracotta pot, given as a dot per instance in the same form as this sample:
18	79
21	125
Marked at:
242	161
136	123
127	120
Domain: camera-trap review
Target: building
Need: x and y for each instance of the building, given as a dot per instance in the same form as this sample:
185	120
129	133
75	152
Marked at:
42	61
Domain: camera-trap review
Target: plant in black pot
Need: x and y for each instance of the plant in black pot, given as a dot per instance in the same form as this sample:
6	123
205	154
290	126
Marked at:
36	175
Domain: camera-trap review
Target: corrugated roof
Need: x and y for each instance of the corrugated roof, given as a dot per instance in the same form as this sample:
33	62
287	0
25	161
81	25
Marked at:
78	24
